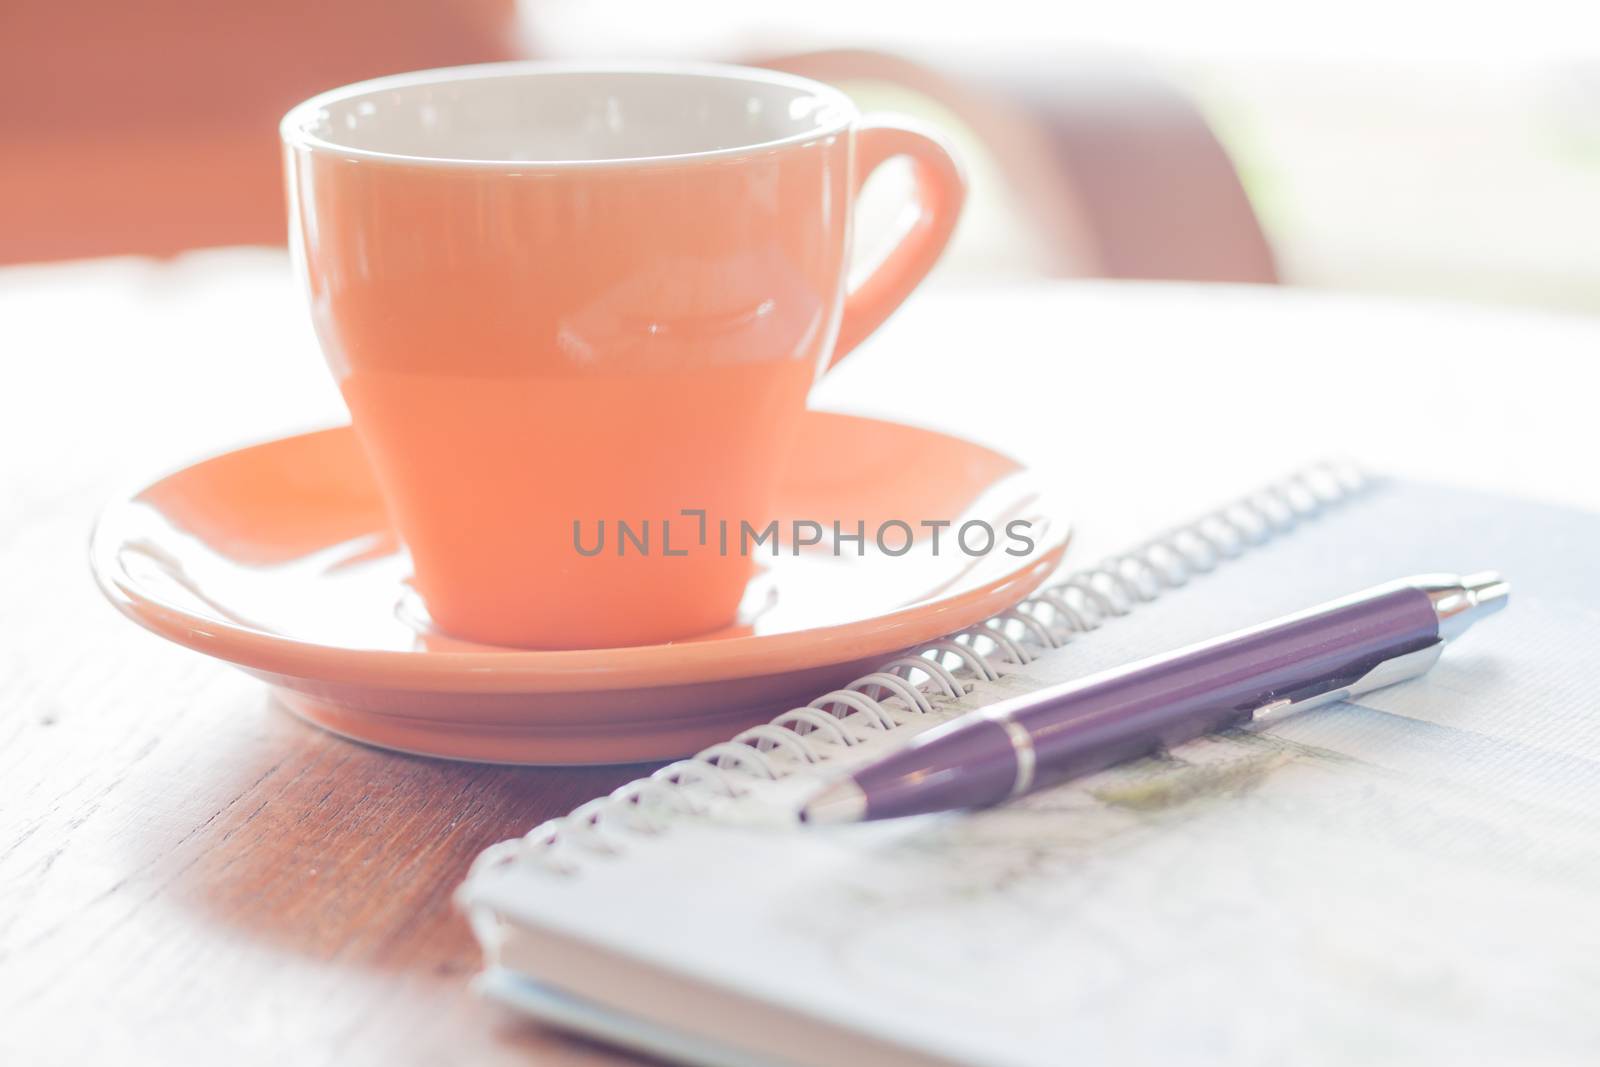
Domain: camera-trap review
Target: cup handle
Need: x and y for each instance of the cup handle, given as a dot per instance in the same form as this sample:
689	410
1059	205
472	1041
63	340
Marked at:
941	189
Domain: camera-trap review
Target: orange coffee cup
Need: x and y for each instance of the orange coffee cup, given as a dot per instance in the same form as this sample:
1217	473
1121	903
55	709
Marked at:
556	298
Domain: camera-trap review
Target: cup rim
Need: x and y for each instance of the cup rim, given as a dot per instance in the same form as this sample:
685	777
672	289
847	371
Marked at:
295	132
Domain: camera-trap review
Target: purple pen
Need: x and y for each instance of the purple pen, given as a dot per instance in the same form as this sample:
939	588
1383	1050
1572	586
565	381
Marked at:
1327	653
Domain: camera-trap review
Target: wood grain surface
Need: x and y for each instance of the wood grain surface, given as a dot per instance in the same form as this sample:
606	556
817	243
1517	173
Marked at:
191	875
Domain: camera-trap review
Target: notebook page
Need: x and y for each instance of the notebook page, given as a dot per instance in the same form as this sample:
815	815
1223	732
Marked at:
1351	885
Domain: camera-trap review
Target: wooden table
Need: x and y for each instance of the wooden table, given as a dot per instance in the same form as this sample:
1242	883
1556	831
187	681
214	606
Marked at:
188	875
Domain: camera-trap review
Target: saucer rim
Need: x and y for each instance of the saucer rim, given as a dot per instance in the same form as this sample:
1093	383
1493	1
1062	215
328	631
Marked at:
570	670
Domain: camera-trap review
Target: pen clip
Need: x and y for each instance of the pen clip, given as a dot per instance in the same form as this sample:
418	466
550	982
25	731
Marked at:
1392	670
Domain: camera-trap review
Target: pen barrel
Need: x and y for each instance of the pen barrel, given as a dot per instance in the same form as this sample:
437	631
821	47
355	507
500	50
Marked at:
1081	727
958	765
1165	701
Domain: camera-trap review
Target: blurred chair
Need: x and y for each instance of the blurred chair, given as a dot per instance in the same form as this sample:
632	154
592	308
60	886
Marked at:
151	126
1115	166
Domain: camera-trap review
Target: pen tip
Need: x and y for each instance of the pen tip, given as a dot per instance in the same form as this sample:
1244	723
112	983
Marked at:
841	802
1476	597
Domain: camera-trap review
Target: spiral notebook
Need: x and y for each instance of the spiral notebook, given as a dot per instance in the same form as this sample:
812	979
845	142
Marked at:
1405	879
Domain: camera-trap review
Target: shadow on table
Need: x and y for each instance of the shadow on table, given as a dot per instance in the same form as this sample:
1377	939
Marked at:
346	853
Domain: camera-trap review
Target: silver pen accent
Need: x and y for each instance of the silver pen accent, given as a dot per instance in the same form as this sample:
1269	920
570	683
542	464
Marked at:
1027	759
1461	602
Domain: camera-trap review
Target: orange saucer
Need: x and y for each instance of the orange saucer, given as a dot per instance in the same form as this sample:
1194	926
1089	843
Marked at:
279	558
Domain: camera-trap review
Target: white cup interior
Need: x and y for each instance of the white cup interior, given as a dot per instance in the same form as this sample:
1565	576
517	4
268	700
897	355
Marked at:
527	113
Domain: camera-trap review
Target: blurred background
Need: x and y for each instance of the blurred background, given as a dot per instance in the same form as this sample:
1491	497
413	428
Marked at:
1399	146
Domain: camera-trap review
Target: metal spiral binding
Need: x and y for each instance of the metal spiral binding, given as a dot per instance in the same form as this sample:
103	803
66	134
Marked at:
922	682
